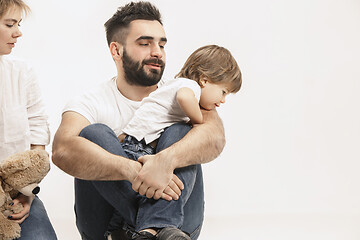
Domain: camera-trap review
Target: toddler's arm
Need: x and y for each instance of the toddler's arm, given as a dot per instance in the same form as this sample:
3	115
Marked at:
189	104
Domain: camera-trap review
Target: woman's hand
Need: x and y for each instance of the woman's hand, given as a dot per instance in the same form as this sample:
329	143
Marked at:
26	202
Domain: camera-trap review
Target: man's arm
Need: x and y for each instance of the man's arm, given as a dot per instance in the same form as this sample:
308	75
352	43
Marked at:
83	159
202	144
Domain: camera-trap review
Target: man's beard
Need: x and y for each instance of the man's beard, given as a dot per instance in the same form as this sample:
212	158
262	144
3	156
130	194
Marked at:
135	73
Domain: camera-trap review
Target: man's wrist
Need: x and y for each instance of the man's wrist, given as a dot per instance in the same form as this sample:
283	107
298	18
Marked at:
170	158
130	170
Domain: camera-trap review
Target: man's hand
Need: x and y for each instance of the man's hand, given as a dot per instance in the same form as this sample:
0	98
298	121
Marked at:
156	179
26	202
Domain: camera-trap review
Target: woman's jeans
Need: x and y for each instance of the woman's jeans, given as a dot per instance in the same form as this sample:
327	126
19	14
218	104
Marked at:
103	206
37	225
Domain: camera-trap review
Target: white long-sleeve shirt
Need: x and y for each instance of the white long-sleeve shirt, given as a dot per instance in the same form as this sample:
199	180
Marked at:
22	113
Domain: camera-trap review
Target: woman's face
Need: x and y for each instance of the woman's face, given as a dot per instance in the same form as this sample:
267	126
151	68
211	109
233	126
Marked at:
9	30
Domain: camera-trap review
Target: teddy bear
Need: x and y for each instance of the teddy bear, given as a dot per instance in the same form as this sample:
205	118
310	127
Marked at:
19	173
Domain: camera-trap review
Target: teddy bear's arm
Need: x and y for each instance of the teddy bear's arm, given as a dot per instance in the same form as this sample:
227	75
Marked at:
8	229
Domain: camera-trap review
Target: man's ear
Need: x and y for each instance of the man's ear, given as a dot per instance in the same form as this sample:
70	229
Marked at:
116	50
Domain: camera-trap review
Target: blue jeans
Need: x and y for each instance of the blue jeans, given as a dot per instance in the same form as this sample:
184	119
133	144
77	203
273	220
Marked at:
135	149
103	206
37	225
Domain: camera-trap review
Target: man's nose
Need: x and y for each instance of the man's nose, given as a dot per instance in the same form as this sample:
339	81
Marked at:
156	51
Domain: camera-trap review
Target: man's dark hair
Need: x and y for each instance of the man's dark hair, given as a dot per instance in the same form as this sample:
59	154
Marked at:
116	27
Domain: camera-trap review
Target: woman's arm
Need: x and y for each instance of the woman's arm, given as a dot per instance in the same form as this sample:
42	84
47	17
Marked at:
32	147
35	107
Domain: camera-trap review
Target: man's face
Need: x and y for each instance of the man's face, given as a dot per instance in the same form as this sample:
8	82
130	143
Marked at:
137	74
143	54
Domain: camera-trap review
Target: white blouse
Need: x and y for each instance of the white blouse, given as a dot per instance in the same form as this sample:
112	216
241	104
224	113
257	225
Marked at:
22	112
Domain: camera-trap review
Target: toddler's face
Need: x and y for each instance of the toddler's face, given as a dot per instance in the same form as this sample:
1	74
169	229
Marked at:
213	94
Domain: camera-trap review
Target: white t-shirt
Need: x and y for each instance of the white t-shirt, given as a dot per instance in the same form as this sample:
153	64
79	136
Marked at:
22	112
104	104
160	110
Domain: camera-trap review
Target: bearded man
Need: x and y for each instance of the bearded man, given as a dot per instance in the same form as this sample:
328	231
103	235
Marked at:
158	196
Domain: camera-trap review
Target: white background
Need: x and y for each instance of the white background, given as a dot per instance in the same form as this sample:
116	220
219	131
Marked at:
290	166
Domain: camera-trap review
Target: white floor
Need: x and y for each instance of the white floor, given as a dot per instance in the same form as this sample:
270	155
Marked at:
260	227
278	227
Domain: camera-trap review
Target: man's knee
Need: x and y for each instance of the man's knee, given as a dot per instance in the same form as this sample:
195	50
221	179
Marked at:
103	136
178	129
93	130
172	135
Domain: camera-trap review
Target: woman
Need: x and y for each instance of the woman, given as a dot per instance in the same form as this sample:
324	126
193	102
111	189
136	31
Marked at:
23	123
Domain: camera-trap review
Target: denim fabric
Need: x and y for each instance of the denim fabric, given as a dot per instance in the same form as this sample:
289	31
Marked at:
135	149
103	206
37	225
